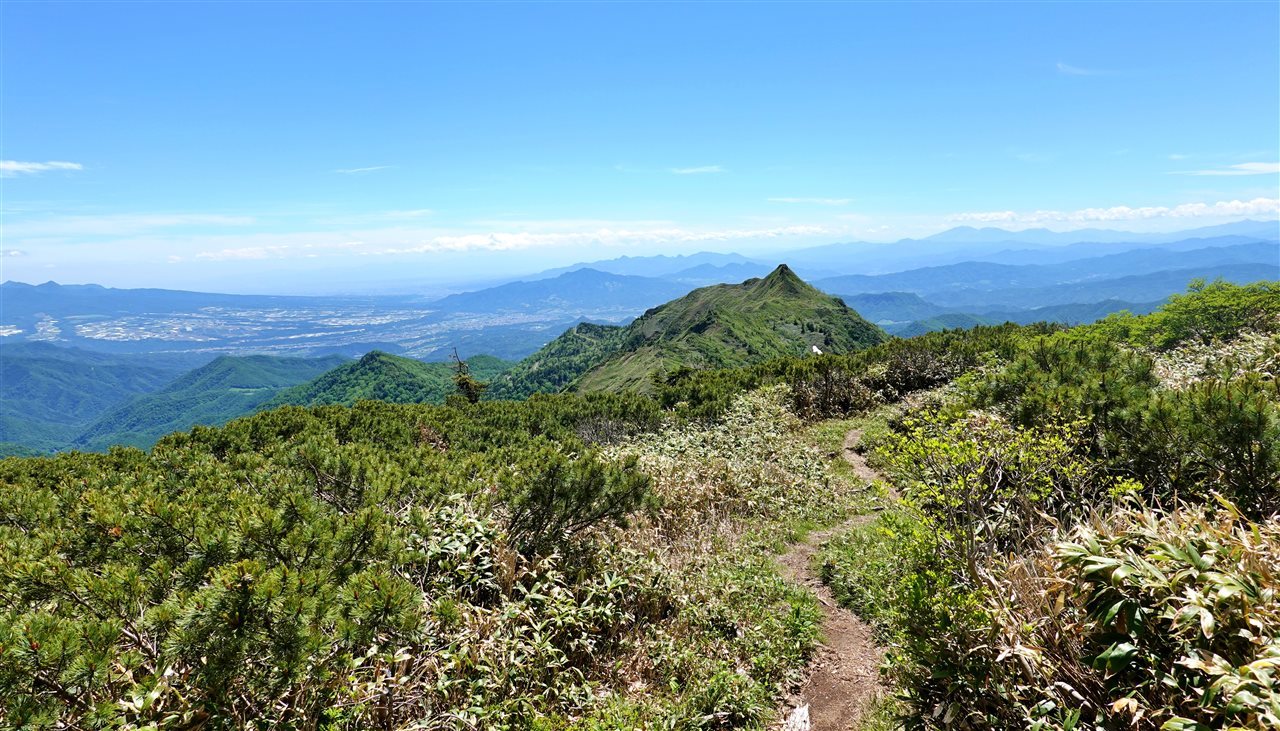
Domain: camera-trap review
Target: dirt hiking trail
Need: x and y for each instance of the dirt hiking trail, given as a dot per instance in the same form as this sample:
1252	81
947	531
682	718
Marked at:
844	676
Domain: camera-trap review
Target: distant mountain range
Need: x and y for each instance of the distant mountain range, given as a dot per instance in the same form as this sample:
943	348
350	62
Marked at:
979	284
660	265
574	294
970	235
953	270
88	366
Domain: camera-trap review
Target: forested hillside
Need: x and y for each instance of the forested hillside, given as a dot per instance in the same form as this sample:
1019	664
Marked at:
1081	532
49	395
383	377
229	387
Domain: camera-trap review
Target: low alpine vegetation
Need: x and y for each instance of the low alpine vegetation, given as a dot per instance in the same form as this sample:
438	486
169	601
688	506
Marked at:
487	565
1088	536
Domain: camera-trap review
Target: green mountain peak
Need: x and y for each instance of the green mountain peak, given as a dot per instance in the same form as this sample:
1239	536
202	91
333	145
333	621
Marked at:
721	326
782	281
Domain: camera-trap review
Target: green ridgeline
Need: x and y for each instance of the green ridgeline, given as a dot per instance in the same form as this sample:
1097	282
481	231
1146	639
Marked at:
722	326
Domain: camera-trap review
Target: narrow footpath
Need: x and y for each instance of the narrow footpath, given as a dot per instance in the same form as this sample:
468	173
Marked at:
844	676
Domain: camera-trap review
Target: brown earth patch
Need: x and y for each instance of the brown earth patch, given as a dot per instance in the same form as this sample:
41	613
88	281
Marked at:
844	676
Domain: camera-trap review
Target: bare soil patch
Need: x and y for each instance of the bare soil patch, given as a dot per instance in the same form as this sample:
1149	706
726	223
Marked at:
844	675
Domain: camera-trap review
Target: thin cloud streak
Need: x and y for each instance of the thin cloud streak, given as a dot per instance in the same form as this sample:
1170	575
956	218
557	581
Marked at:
14	168
1221	209
700	170
1067	69
119	224
814	201
393	242
362	171
378	217
1244	168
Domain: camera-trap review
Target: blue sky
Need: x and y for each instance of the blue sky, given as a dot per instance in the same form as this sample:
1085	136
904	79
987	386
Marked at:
317	147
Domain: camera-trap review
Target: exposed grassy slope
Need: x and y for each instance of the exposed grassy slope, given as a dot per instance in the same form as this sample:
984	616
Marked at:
213	394
731	325
380	376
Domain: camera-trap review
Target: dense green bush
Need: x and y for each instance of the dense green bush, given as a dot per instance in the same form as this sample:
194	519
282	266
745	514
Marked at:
394	566
331	563
1205	313
1017	585
1223	428
1135	619
1177	616
829	386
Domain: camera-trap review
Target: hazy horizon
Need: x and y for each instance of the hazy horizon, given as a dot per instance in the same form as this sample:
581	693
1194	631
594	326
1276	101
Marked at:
391	285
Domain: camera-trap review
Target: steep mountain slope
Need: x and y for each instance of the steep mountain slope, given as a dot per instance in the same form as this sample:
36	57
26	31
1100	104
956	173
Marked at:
49	394
213	394
721	326
384	377
555	366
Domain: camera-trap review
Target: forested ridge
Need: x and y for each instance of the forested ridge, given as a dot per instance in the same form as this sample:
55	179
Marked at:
213	394
1080	533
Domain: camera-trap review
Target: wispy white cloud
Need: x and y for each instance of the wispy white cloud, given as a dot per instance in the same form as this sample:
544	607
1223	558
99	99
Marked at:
1244	168
12	252
513	241
1220	209
1178	156
1067	69
244	252
406	241
814	201
700	170
568	224
362	171
119	224
14	168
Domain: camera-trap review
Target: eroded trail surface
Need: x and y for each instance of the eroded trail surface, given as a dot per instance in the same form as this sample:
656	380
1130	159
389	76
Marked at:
845	676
